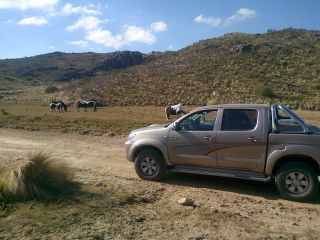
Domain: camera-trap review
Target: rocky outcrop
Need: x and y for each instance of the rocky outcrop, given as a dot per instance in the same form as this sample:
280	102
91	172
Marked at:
120	60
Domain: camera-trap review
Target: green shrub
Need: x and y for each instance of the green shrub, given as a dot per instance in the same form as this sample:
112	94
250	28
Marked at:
266	92
51	89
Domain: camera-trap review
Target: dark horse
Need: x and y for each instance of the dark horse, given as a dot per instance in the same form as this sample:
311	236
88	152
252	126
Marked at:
60	106
175	110
85	104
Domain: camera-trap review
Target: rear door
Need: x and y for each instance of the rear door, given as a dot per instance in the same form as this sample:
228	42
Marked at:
194	143
242	139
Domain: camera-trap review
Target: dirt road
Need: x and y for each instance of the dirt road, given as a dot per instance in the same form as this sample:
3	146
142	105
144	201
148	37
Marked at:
224	208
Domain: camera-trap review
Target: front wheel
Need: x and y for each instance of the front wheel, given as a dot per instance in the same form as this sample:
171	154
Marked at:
150	165
297	181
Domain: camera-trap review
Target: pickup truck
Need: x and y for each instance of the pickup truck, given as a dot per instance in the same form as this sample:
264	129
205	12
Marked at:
247	141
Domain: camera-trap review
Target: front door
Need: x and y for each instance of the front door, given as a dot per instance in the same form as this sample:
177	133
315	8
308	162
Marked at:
194	140
242	140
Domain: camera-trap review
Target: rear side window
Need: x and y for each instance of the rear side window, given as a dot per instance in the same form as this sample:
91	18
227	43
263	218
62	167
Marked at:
239	119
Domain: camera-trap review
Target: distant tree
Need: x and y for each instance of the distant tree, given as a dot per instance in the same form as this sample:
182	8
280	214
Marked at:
51	89
266	92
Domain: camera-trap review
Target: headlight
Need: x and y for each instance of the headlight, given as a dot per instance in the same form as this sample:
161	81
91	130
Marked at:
131	136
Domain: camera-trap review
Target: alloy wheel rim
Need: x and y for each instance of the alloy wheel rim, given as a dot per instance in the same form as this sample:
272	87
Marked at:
149	166
296	182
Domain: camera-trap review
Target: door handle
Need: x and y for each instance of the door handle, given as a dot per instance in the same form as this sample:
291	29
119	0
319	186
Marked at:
252	139
207	138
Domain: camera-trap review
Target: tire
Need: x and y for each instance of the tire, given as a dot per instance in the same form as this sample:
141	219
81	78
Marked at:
150	165
297	181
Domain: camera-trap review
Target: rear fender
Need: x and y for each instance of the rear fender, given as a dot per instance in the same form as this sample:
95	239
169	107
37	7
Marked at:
309	151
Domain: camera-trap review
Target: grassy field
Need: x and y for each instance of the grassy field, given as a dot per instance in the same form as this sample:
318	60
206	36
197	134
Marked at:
117	120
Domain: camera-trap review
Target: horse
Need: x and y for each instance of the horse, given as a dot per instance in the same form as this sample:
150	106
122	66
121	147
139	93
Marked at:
60	106
175	110
85	104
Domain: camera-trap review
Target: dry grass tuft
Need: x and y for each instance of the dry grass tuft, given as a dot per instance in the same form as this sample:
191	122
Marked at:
5	195
39	177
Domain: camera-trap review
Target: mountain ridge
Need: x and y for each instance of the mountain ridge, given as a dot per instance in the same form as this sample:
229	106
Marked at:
275	66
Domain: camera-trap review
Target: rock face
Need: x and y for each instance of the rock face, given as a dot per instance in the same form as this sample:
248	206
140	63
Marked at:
119	60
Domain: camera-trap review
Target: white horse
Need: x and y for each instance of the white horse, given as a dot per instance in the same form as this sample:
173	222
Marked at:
175	110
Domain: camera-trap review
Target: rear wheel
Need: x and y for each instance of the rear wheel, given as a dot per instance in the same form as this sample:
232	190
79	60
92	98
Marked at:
150	165
297	181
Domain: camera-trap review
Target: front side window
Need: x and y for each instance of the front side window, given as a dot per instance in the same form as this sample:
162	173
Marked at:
200	121
239	119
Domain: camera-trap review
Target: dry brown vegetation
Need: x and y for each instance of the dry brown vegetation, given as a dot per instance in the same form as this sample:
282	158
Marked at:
107	120
117	120
38	177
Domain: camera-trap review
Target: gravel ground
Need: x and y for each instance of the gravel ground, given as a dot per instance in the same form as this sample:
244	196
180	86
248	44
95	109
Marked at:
110	202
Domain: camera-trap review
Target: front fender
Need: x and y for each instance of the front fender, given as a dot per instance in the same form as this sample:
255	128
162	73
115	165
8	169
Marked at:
306	150
149	143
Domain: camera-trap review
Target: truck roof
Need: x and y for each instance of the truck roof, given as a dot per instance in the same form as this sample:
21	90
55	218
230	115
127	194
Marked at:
238	106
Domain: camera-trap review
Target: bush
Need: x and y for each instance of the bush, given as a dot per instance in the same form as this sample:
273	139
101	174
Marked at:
4	112
51	89
39	177
266	92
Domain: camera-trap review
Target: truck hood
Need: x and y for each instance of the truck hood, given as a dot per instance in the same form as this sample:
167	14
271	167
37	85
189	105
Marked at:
152	126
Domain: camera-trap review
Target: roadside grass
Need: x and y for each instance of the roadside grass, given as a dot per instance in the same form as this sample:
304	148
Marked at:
38	177
90	212
5	196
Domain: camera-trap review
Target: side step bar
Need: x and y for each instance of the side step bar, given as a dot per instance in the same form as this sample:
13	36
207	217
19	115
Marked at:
221	172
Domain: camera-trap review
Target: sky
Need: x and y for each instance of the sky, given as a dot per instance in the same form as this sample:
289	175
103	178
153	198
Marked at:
32	27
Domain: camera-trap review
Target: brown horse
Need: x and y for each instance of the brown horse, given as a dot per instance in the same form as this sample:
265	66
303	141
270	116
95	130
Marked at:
175	110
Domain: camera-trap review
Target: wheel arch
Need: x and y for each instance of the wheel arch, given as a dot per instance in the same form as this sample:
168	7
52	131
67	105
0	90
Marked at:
293	153
138	149
301	158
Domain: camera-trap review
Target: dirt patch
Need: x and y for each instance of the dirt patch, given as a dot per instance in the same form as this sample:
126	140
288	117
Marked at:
110	201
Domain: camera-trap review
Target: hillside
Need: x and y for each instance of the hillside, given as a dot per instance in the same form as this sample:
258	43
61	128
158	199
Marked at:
65	67
274	66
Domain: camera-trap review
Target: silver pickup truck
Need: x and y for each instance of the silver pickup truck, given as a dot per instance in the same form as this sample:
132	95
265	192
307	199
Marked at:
248	141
